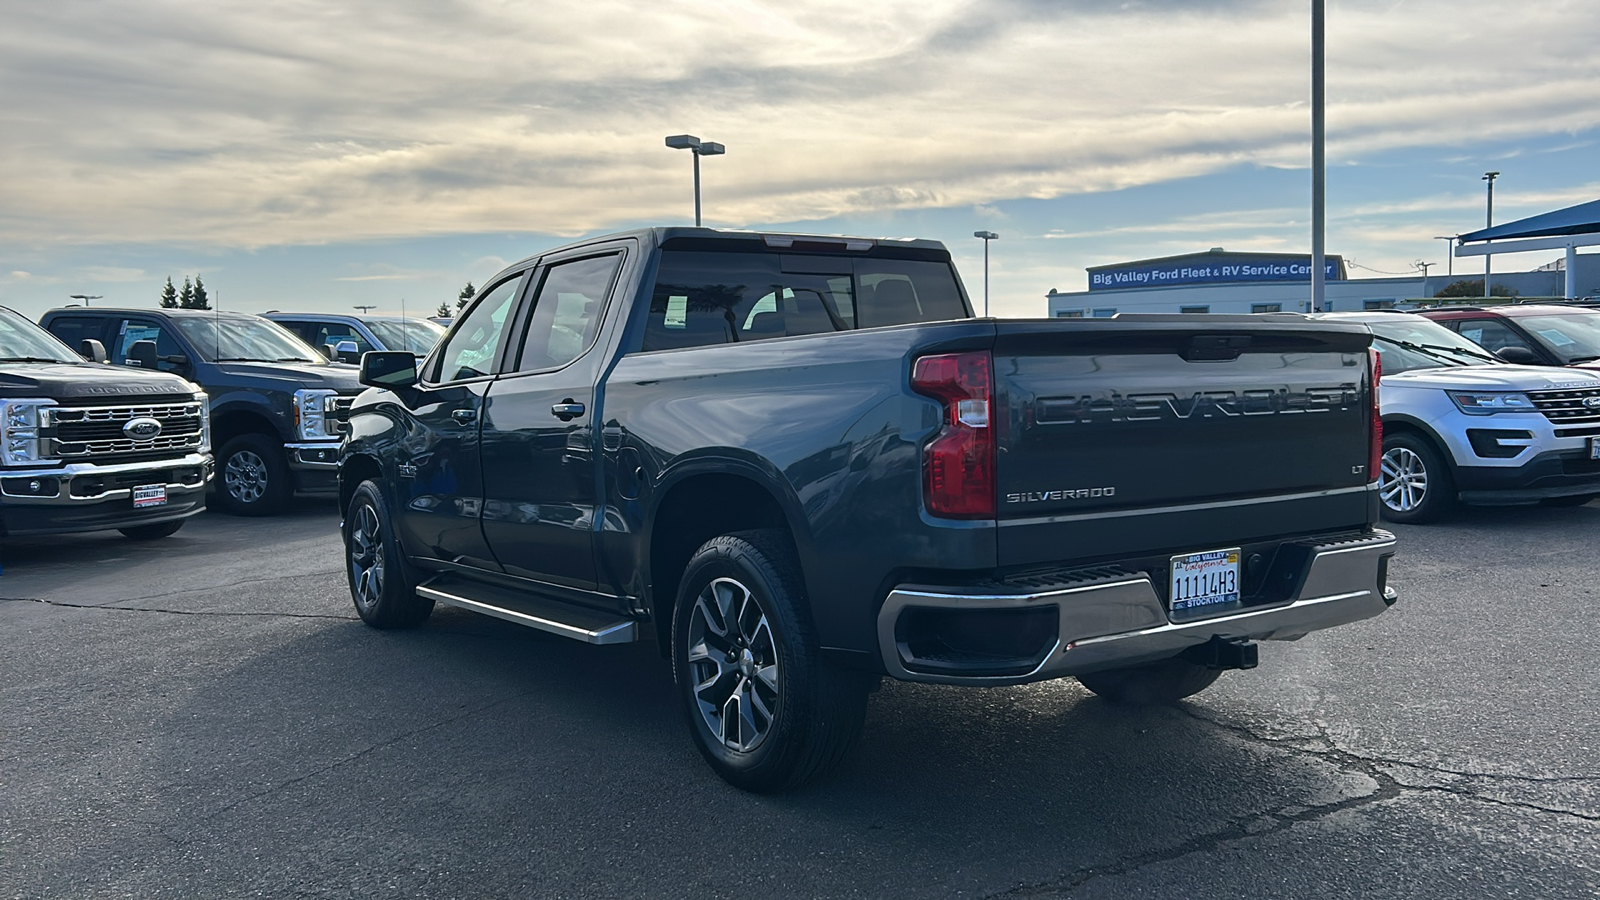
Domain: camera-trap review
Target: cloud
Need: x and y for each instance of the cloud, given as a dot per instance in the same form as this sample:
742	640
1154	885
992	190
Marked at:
237	124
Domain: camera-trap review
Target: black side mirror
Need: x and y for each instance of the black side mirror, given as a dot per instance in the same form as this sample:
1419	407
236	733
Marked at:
329	352
1522	356
348	352
92	350
142	354
388	369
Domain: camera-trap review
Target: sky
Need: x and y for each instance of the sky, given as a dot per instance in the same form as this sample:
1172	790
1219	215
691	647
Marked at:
315	154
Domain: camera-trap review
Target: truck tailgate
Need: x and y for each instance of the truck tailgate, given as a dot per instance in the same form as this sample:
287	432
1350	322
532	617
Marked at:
1177	432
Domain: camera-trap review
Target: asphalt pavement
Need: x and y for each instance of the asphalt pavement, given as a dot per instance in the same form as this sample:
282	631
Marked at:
204	716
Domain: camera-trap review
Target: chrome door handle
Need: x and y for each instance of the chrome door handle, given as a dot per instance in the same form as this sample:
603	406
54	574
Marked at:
464	415
567	410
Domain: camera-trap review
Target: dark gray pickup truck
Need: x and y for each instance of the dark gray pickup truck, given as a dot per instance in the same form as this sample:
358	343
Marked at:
798	464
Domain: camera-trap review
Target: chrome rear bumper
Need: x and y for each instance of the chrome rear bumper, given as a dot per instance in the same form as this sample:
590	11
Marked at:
1119	619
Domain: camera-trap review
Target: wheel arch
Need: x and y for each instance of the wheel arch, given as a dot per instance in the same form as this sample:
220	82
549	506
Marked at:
699	500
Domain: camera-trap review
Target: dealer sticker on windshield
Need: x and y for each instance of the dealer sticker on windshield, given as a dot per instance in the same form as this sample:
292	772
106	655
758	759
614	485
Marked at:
1204	579
146	495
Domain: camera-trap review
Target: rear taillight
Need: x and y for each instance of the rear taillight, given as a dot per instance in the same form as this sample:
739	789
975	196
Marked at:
958	464
1375	445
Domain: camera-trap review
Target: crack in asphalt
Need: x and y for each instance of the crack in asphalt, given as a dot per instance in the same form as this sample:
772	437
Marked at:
174	612
1240	828
353	757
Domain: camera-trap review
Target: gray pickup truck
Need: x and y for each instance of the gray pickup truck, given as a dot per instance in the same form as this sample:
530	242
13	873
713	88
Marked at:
798	464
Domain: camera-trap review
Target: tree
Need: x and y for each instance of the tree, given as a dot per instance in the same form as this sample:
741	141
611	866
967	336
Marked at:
169	295
443	311
1470	288
201	300
467	293
186	295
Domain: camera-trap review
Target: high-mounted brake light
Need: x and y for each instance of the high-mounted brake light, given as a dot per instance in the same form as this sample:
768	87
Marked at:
1375	447
958	465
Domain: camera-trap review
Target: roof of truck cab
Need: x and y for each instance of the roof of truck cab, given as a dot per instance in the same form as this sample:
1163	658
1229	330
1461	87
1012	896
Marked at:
662	234
145	311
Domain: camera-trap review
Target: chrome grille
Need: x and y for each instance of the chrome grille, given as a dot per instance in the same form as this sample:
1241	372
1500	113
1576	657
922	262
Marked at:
95	432
1568	407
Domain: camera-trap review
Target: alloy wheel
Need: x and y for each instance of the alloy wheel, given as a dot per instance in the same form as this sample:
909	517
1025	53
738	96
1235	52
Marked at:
733	660
245	476
366	557
1403	479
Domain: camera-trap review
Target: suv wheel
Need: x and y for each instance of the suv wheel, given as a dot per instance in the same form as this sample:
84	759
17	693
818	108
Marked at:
1414	481
1159	683
764	710
253	476
381	583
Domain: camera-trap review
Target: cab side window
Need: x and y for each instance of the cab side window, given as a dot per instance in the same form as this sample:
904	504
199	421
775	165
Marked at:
74	330
470	348
566	314
335	332
132	330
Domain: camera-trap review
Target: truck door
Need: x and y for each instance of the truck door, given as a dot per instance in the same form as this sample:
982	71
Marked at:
539	427
440	484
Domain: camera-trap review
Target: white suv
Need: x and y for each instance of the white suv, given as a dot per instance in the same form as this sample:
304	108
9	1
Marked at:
1460	425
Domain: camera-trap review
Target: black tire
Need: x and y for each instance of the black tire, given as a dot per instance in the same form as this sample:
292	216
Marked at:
381	582
253	477
805	716
1153	684
1573	500
152	532
1415	484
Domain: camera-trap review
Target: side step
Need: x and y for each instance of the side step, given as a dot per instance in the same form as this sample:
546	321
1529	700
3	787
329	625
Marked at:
590	626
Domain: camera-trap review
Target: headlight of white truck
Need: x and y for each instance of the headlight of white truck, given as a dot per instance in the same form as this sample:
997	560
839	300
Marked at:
1483	403
205	420
21	422
312	414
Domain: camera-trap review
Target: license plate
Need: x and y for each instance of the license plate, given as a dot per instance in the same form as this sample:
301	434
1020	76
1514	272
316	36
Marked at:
147	495
1204	579
1594	448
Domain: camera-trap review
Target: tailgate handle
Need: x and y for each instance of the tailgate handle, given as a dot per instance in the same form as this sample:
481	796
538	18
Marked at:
1204	347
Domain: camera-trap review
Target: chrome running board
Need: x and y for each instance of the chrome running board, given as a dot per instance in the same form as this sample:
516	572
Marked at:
589	626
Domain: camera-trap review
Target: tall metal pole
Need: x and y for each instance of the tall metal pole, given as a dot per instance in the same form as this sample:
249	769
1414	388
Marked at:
1449	255
1488	223
1319	135
696	189
985	279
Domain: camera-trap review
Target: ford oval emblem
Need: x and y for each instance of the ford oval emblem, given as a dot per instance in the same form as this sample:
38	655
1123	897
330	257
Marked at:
1591	402
142	429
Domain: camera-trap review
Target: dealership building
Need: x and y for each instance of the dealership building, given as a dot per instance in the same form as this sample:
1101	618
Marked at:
1220	281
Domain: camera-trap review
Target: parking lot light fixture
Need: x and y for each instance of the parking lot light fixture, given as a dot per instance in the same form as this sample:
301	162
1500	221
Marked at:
986	236
86	297
1488	223
1449	256
697	148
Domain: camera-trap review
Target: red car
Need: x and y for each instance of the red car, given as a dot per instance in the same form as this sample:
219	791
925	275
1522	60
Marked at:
1530	335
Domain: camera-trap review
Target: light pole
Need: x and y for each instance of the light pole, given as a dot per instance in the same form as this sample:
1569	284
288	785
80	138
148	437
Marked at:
1319	136
1424	267
700	148
86	297
364	308
1488	223
987	236
1449	255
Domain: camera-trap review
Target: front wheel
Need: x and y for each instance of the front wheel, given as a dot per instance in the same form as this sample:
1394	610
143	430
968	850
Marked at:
1414	481
764	710
1153	684
253	477
152	532
381	584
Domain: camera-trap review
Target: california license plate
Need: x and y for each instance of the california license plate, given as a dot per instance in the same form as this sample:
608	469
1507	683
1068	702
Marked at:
1204	579
1594	448
148	495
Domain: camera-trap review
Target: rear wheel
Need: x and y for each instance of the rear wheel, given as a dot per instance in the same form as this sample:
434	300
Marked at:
381	583
1158	683
764	710
1414	481
152	532
253	477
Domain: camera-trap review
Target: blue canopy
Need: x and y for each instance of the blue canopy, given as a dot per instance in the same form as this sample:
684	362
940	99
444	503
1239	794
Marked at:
1581	219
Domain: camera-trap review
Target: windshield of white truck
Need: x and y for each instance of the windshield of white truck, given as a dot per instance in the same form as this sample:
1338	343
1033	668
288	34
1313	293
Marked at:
22	341
705	297
244	339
